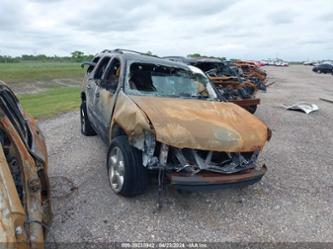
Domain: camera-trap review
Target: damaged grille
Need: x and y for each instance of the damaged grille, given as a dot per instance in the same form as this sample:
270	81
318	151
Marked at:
194	161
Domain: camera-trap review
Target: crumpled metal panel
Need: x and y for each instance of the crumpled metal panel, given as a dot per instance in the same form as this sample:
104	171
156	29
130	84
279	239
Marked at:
131	119
251	70
190	123
304	107
21	221
33	202
11	210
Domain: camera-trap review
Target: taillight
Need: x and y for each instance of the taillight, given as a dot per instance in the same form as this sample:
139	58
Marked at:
269	134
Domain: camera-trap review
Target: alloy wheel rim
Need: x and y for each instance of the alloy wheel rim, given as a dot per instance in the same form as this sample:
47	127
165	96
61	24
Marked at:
83	121
116	169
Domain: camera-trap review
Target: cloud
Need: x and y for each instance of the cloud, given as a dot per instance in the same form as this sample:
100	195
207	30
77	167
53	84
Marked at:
242	28
326	17
110	16
189	8
282	17
11	17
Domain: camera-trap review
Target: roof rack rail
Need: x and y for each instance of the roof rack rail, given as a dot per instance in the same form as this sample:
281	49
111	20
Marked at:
106	51
120	50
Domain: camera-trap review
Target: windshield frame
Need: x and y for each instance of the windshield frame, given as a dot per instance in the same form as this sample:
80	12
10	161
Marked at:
127	89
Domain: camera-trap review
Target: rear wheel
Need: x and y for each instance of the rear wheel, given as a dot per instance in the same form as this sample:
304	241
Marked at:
86	128
127	176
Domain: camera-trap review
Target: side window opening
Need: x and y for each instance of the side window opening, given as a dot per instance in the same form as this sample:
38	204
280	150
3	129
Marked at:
101	68
164	80
141	77
91	68
112	75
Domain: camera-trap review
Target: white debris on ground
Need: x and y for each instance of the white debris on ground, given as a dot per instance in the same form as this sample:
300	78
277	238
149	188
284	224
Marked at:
302	106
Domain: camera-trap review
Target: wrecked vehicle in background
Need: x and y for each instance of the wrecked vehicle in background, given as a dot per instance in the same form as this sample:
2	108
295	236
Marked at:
160	115
252	72
24	186
232	86
276	62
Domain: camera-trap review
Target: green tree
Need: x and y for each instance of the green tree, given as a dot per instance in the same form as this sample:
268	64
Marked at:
77	55
194	55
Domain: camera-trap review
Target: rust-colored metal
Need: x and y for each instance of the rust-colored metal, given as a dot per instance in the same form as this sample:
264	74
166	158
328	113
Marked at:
130	118
206	178
250	69
11	209
246	102
230	81
21	219
187	123
180	125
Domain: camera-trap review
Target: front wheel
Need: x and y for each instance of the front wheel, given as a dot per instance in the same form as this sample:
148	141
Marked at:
127	176
86	128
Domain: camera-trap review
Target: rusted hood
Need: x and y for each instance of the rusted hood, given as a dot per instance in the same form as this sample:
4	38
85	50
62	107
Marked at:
205	125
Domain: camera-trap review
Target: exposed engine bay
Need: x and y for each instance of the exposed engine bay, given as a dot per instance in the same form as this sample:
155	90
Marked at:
194	161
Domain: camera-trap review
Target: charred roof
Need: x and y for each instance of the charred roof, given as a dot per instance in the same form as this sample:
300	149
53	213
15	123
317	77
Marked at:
131	55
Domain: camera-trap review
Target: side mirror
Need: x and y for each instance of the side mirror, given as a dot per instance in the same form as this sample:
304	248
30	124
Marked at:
88	63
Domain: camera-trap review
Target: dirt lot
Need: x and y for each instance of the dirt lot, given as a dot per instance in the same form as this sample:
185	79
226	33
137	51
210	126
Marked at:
294	201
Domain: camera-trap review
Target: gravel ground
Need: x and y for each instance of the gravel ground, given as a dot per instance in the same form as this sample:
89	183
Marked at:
293	202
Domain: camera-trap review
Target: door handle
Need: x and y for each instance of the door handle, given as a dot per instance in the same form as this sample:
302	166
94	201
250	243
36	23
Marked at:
97	94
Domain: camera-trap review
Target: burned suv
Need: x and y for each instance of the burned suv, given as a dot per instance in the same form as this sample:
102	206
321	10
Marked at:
161	115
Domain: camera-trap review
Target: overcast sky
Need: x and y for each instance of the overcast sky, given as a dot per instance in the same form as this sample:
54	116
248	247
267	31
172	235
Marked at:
249	29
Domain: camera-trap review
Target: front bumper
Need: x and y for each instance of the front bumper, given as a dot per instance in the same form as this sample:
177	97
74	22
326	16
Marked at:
245	102
211	180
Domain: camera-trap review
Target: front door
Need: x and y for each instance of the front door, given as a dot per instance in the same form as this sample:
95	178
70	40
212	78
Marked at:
104	100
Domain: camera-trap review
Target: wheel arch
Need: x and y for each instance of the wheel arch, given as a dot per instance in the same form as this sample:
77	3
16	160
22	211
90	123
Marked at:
115	131
83	96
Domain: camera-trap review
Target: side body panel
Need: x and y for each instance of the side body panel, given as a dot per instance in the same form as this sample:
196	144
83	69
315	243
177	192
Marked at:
12	213
32	196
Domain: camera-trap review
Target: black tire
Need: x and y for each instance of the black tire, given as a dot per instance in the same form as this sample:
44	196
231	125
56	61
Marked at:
135	175
86	128
252	109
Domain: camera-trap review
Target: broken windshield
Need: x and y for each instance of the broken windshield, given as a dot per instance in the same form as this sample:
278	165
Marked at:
166	81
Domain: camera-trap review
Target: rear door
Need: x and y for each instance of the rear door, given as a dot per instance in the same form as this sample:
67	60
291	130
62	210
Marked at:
90	84
93	84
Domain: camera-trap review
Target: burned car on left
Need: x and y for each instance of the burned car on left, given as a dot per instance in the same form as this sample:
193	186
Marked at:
25	209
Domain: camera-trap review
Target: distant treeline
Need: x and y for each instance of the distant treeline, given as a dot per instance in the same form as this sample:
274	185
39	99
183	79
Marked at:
76	56
197	55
